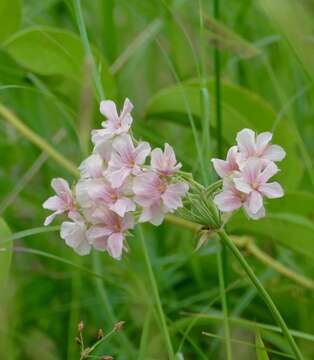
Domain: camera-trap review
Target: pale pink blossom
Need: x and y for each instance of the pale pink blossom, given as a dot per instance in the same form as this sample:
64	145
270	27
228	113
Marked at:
164	163
116	199
157	196
61	202
126	159
230	199
252	146
109	234
92	167
74	234
114	126
253	181
227	167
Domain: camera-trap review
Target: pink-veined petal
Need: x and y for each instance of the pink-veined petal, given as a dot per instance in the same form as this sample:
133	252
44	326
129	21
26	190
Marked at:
54	203
274	153
262	141
123	205
270	170
141	152
242	185
255	216
272	190
153	214
246	141
109	110
254	202
115	245
221	167
227	200
61	187
172	197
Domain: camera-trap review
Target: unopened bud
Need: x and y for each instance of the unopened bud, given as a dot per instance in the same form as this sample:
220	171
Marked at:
118	326
100	334
80	326
78	341
107	357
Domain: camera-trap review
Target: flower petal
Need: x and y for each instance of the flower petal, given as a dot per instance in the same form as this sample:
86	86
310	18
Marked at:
227	201
270	170
123	205
141	152
61	187
274	153
246	142
262	140
109	110
54	203
272	190
115	245
173	195
254	202
153	214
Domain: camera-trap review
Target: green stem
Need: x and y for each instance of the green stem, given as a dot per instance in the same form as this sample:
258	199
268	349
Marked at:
87	47
224	304
261	290
12	119
218	87
156	295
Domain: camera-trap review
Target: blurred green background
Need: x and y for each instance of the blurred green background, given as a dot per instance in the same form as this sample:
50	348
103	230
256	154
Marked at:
162	55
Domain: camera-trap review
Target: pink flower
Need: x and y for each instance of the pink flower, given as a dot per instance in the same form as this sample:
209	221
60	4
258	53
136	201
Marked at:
92	167
126	159
157	196
60	203
74	234
227	167
114	198
253	182
259	146
108	235
164	163
230	199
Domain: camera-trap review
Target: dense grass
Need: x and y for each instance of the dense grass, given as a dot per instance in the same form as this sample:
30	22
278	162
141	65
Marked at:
196	76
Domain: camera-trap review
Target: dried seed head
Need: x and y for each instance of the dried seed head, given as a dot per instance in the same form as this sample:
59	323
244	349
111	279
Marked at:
100	334
80	326
118	326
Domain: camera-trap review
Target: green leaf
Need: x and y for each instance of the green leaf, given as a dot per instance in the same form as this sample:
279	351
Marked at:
288	221
10	17
240	108
260	353
50	51
5	254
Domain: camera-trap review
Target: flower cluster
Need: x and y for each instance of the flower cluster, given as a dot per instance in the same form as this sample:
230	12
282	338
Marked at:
116	188
245	173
